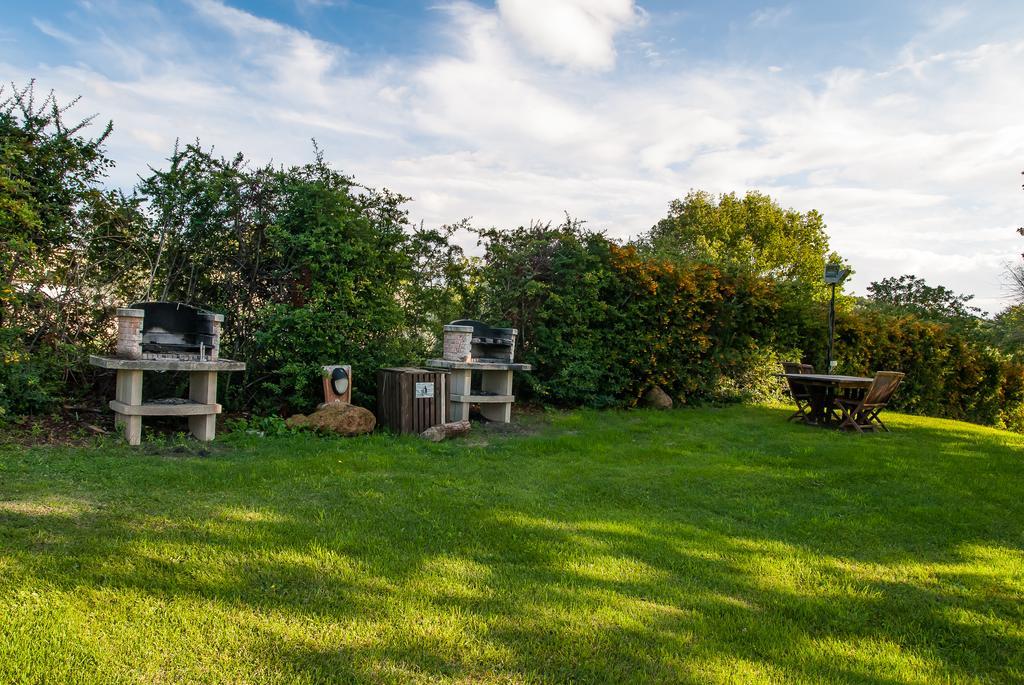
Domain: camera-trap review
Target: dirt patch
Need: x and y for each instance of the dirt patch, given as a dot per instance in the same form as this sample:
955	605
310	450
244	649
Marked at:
526	420
85	426
72	427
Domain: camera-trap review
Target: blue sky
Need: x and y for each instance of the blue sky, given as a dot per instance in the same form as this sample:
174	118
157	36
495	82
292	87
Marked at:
901	122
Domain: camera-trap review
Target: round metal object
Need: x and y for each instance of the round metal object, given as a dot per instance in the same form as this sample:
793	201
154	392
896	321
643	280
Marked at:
339	380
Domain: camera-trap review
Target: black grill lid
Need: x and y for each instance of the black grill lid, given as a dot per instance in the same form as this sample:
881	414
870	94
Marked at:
176	327
488	335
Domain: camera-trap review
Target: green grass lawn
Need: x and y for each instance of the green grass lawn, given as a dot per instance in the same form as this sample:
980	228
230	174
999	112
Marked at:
704	545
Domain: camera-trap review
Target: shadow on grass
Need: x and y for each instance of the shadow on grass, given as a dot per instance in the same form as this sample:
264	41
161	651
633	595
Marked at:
736	549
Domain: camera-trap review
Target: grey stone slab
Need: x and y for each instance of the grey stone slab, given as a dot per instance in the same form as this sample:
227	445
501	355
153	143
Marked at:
165	364
478	366
161	409
484	399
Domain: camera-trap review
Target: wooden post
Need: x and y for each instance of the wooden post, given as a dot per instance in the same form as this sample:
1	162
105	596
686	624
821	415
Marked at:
202	388
499	383
445	398
129	391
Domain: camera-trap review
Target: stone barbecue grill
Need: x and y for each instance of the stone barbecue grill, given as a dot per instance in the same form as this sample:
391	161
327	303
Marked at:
167	336
474	347
173	330
486	343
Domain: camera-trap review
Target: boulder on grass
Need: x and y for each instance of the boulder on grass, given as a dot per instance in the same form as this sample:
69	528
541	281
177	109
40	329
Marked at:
656	398
340	418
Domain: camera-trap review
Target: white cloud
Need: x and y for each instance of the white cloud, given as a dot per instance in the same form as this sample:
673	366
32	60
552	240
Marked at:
948	17
770	17
914	166
305	5
574	33
296	63
53	32
485	94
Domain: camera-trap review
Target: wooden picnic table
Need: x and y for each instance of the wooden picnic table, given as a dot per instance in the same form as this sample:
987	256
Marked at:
823	389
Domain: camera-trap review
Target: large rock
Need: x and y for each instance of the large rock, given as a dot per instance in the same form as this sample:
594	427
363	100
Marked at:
340	418
656	398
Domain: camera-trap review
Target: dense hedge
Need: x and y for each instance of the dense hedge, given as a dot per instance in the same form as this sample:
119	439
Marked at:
308	266
947	373
603	322
312	268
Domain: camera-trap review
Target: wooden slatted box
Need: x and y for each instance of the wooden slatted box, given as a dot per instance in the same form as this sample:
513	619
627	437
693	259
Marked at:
411	400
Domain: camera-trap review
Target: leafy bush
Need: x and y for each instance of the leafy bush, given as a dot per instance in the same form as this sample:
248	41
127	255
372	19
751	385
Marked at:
262	425
308	266
29	383
757	380
57	225
311	268
947	374
602	323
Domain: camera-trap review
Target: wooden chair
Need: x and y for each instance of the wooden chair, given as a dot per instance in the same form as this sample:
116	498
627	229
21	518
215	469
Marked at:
861	414
798	391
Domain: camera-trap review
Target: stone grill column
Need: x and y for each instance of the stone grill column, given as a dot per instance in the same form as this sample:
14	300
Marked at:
458	343
129	333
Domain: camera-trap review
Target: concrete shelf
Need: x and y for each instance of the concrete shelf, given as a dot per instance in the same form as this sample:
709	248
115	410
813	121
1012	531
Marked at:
478	366
484	399
165	364
495	394
164	408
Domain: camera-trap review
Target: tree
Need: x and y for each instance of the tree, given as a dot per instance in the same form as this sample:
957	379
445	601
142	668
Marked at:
910	294
444	284
1006	331
751	235
55	216
1007	327
307	265
1015	274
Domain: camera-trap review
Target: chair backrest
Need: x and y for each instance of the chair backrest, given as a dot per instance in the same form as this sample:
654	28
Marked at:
796	389
806	368
882	387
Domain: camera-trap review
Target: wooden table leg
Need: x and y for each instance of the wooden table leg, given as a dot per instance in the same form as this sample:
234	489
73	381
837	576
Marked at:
499	383
819	397
129	391
831	418
202	388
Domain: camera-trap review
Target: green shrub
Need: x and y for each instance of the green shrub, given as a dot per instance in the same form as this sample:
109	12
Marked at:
310	268
29	383
602	323
947	373
263	425
757	380
60	250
